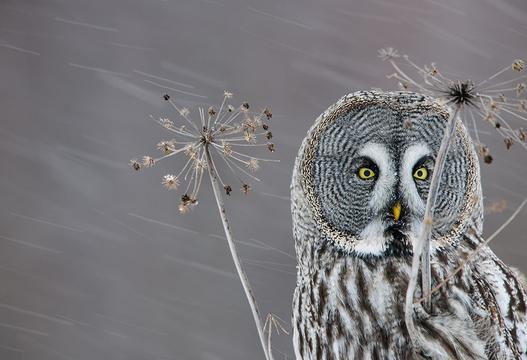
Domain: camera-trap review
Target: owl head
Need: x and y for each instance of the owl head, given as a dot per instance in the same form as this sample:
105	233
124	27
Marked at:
362	176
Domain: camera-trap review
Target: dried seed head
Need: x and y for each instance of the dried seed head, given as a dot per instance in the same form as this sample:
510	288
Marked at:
249	125
187	203
462	93
166	97
253	164
432	70
220	134
483	150
165	146
488	159
493	106
249	137
171	182
508	143
148	161
199	165
227	149
518	65
520	88
270	147
267	112
167	123
490	100
246	188
135	164
269	135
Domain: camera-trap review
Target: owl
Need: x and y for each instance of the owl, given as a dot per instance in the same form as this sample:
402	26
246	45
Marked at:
358	196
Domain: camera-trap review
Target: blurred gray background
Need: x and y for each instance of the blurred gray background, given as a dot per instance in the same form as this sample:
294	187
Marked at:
95	261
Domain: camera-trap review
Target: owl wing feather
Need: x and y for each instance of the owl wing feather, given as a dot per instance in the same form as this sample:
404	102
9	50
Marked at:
500	292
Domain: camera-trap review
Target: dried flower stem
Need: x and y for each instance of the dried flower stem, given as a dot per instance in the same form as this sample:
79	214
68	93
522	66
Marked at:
270	321
471	255
269	347
421	254
236	259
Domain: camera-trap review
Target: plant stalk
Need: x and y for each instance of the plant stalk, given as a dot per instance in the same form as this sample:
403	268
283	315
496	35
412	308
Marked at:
235	258
422	249
269	347
471	255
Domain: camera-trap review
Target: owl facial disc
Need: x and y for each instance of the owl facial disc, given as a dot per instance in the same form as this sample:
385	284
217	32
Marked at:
366	170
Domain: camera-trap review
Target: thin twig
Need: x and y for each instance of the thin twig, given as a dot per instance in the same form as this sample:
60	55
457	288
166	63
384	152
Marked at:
236	259
471	255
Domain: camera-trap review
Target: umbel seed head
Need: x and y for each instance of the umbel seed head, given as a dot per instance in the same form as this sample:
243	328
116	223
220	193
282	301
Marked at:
518	65
214	143
496	100
462	93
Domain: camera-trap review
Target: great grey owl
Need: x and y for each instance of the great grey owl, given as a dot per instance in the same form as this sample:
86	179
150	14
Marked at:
358	195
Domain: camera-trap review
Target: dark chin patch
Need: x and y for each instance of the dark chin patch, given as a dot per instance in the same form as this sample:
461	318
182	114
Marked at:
398	244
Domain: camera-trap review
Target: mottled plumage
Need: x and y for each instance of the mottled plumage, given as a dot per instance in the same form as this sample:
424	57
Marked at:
354	251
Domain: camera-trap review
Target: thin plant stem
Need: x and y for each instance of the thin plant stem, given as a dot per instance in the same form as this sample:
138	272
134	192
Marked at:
431	201
236	259
471	255
269	347
421	254
270	321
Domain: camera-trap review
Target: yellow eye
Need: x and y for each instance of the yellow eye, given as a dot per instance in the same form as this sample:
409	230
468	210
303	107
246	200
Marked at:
366	173
421	173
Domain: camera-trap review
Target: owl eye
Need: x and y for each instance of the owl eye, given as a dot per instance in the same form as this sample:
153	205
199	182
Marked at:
421	173
366	173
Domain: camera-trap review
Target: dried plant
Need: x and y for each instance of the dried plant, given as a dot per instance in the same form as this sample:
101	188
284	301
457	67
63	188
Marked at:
473	254
217	139
275	321
224	132
495	102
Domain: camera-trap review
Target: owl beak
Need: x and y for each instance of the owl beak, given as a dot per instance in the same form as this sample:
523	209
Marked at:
396	210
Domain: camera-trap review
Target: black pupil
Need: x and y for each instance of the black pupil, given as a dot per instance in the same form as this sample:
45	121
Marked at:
367	172
419	173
